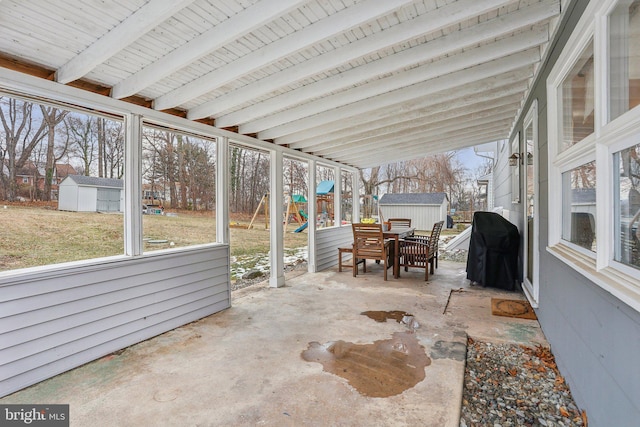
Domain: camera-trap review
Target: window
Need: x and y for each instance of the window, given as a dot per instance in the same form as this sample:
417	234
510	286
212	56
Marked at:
578	100
627	206
346	210
325	196
594	126
296	185
72	179
579	209
178	189
624	58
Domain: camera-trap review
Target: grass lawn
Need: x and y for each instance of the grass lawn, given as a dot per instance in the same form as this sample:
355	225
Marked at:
40	235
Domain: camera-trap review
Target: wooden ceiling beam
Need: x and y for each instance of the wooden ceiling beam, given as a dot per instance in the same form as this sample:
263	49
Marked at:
419	147
477	116
499	51
425	24
447	131
466	96
225	32
24	67
128	31
307	37
403	94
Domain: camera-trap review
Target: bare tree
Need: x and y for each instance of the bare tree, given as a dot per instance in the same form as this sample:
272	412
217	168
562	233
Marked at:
296	173
397	177
22	133
160	164
249	179
199	166
52	117
83	133
113	147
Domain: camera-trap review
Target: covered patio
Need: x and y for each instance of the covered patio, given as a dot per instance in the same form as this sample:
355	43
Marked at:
245	366
339	86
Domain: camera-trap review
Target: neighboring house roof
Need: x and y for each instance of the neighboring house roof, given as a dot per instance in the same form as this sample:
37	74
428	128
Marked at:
63	170
413	199
324	187
95	181
30	169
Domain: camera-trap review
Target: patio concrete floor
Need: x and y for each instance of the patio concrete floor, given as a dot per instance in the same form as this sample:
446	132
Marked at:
244	366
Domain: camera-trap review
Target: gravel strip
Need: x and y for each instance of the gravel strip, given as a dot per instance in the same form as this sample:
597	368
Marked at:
513	385
243	283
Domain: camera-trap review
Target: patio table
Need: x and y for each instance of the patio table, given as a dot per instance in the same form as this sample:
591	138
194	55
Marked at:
397	233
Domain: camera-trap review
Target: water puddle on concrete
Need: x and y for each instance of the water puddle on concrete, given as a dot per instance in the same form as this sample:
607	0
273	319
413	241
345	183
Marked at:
399	316
383	316
382	369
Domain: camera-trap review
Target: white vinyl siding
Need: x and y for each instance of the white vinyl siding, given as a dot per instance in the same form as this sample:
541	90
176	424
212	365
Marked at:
422	216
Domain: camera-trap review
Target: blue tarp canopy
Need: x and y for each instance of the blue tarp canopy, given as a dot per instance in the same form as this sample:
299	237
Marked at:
324	187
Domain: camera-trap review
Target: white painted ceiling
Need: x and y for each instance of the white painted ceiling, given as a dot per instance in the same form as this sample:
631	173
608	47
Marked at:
362	82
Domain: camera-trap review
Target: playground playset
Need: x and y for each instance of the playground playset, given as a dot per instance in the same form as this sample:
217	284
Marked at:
296	204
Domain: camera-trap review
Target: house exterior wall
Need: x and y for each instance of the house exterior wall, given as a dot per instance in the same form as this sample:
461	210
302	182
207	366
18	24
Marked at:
594	336
57	320
490	196
422	216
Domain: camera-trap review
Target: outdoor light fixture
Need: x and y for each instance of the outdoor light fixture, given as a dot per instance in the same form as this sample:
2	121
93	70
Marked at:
514	159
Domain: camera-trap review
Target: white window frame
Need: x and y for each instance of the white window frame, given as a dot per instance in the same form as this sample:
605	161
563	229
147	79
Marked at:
532	289
608	138
336	194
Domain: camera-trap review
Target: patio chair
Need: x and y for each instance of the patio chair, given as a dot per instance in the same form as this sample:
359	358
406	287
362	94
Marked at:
414	253
400	222
369	243
423	254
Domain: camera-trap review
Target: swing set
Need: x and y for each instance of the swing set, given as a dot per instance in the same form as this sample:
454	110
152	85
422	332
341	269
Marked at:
294	210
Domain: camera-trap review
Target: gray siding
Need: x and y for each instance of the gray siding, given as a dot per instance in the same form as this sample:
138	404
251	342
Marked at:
328	241
596	341
52	322
594	336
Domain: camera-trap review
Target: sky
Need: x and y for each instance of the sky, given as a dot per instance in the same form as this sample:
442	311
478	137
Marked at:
469	159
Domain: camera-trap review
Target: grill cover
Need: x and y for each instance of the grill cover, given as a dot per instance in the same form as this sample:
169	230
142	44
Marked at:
493	251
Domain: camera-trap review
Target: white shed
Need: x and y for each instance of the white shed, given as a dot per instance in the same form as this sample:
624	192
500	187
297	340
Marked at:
424	209
81	193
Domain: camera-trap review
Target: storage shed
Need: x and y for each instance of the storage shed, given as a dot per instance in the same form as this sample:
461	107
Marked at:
424	209
79	193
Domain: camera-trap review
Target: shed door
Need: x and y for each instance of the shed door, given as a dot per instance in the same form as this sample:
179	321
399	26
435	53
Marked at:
108	200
